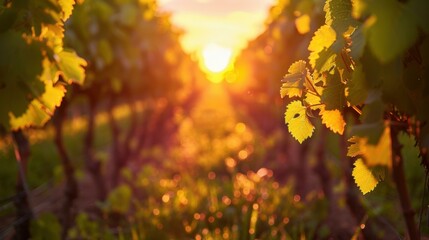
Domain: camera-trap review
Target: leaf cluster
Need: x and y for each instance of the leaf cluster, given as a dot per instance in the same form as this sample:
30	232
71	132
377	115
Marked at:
34	66
370	58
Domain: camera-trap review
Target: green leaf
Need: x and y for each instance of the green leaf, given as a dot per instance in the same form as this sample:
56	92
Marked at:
410	151
392	29
71	66
373	111
420	9
357	41
356	87
364	178
371	131
40	110
339	15
298	124
334	93
12	93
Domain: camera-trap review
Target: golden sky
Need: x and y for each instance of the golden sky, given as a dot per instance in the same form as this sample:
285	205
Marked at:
227	23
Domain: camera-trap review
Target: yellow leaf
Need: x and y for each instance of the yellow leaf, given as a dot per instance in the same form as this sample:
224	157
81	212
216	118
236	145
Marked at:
364	179
323	38
380	154
298	67
294	80
40	109
312	99
354	149
71	66
333	119
302	24
67	7
298	124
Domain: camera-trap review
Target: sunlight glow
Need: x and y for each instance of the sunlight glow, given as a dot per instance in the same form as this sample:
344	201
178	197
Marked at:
216	58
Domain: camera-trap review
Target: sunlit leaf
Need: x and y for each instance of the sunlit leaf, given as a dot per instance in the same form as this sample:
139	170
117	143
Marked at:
373	155
354	148
71	66
339	15
364	178
40	109
67	7
333	119
323	38
294	80
297	121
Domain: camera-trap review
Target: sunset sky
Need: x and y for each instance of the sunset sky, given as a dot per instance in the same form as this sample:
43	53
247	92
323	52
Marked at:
227	23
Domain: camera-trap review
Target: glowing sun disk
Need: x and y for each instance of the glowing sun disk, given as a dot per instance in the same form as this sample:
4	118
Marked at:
216	58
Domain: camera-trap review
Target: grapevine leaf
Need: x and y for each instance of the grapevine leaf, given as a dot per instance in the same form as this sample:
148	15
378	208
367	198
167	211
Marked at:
71	66
354	148
371	131
410	151
374	155
364	178
323	38
380	154
67	7
298	124
323	61
357	42
373	111
41	109
356	87
16	52
394	78
333	119
7	18
50	15
11	93
339	15
334	93
391	29
294	80
312	101
420	9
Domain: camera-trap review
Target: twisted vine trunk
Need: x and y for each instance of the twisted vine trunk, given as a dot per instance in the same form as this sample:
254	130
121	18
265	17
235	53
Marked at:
92	164
71	189
24	213
401	185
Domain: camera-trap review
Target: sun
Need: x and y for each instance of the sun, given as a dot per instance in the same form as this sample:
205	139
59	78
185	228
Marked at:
216	58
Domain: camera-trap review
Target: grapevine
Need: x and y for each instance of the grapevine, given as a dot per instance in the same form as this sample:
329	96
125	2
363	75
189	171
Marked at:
369	58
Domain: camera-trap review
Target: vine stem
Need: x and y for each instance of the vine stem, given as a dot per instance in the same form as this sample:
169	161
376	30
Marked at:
24	212
401	185
71	186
